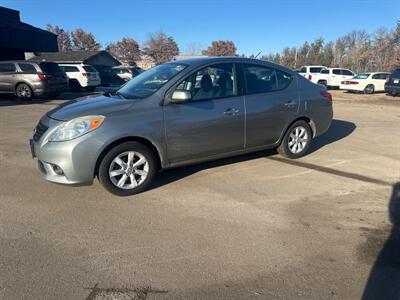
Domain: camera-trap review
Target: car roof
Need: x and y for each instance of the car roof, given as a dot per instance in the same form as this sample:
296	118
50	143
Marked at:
198	61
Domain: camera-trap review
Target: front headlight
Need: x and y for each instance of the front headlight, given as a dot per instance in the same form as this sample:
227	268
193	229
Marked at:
76	128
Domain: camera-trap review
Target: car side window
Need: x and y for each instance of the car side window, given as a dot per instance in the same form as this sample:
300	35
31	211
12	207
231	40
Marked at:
7	68
325	71
376	76
213	82
261	79
336	71
347	73
303	70
27	68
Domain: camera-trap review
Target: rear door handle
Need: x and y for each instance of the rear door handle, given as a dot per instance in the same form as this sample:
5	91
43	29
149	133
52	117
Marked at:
290	103
231	112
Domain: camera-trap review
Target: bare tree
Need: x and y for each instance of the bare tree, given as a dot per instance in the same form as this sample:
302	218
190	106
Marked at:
126	50
221	48
83	40
63	37
161	48
193	48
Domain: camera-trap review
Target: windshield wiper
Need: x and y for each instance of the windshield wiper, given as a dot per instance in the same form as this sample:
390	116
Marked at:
120	95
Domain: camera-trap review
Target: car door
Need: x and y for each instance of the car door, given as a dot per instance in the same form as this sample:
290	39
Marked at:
8	73
212	121
378	80
336	77
271	100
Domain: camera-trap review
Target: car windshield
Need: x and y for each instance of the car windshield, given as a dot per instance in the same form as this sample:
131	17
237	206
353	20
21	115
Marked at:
149	82
362	76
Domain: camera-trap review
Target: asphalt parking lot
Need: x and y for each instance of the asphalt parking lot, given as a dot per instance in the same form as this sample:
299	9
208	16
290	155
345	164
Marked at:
253	227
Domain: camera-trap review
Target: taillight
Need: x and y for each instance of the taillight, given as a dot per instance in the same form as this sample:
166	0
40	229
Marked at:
309	76
353	82
85	74
42	76
327	95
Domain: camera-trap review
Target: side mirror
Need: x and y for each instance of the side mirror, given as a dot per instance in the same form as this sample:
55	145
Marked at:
181	96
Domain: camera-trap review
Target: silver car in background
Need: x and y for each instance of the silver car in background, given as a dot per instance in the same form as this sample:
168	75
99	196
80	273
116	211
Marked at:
27	79
180	113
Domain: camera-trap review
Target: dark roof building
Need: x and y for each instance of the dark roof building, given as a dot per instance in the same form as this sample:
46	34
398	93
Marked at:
17	37
95	58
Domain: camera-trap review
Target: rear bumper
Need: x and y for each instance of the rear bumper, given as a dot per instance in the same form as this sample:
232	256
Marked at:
349	87
44	88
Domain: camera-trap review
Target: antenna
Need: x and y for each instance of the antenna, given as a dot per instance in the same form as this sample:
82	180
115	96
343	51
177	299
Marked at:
257	54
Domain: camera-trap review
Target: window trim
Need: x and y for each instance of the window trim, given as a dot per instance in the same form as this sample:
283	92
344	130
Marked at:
246	92
169	92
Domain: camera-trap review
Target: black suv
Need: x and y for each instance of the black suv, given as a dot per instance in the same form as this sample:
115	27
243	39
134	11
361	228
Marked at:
392	85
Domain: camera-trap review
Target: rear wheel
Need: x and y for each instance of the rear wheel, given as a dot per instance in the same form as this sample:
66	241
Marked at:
128	169
323	82
23	91
296	141
369	89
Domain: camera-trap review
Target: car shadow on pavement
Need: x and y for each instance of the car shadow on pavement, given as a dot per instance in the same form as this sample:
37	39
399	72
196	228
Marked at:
7	100
384	279
338	130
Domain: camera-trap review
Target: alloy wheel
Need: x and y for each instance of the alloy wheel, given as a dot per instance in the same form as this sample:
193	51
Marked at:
23	91
298	139
128	170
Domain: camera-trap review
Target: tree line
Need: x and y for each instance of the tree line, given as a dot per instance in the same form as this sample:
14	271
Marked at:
357	50
160	47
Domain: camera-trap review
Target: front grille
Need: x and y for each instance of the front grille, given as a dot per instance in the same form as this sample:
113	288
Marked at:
40	129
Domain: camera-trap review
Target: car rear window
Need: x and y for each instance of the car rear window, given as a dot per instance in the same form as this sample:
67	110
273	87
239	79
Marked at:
315	70
89	69
362	76
50	68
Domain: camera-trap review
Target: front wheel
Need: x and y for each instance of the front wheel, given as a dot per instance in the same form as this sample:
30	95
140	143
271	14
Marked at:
127	169
296	141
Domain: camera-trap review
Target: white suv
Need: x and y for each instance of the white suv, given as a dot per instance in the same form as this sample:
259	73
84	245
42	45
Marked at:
309	71
81	76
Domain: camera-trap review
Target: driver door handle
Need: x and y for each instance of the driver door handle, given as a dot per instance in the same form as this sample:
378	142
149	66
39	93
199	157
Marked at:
231	112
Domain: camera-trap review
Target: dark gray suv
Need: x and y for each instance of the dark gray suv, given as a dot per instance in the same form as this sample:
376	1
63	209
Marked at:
28	79
180	113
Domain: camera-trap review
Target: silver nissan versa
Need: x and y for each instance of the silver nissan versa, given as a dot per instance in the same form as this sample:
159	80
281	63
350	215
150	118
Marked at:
180	113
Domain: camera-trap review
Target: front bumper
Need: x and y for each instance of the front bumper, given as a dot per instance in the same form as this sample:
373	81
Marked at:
392	89
76	158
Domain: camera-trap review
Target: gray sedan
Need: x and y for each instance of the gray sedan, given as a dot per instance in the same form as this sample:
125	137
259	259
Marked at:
180	113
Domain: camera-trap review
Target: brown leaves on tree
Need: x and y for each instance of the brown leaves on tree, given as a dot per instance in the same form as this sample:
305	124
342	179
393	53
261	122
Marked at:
161	48
83	40
126	50
221	48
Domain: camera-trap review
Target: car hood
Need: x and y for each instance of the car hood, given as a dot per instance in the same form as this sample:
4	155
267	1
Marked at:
98	105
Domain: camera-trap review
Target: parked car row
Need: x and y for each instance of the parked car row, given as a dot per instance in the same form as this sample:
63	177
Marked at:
345	79
28	79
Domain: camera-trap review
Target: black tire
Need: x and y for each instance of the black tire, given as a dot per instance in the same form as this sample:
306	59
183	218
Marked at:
323	82
23	91
74	85
369	89
289	151
107	162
